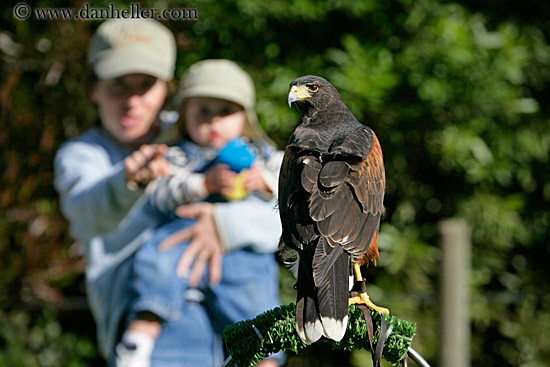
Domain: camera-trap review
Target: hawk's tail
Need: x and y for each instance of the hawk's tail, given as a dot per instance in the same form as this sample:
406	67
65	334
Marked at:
322	305
308	320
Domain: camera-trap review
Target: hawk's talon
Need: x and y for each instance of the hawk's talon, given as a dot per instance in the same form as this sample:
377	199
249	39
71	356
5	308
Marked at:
364	299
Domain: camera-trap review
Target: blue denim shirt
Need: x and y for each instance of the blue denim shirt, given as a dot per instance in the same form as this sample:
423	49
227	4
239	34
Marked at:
110	222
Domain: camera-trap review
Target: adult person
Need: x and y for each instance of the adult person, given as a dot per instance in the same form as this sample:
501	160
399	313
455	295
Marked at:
102	174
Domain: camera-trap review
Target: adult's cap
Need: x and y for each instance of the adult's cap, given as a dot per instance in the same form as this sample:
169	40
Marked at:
127	46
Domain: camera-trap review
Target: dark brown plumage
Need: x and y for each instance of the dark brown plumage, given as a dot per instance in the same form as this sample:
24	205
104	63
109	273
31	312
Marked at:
331	191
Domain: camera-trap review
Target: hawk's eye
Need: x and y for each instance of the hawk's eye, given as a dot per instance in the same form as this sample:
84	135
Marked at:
312	87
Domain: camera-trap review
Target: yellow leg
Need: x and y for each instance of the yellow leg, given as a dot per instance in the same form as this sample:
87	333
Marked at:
363	298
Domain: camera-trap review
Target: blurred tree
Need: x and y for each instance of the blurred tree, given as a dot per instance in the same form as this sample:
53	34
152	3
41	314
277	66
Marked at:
455	91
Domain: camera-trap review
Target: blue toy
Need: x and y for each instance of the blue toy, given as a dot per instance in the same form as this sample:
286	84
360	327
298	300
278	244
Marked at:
237	154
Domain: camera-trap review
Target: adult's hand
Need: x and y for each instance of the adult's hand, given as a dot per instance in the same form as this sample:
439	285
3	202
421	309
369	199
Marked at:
205	247
146	164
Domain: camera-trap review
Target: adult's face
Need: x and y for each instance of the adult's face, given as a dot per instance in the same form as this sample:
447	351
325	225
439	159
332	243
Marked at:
129	105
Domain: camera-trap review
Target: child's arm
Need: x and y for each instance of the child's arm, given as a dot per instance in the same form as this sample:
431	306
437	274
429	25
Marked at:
183	186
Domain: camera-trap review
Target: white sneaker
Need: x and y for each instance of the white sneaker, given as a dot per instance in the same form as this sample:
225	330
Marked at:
134	350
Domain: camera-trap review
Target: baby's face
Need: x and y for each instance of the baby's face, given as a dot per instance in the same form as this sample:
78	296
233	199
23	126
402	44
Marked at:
212	122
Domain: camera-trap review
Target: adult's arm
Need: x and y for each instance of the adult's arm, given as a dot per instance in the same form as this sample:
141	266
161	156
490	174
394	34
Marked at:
93	192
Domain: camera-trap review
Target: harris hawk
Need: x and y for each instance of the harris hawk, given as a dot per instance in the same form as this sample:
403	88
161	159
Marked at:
331	191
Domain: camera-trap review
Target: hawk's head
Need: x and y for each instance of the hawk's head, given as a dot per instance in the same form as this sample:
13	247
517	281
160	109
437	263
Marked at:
312	92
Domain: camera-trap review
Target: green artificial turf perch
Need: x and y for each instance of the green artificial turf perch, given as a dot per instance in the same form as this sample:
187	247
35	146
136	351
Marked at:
249	341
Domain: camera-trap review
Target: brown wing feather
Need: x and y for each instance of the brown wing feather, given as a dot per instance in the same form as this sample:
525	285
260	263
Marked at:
357	216
373	173
372	170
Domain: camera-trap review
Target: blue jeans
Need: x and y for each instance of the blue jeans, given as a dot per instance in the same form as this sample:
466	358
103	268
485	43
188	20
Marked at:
194	319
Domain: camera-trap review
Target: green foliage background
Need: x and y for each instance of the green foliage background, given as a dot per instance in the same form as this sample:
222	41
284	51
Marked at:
455	90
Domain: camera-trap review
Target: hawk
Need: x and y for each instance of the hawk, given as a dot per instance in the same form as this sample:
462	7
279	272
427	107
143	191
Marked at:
331	192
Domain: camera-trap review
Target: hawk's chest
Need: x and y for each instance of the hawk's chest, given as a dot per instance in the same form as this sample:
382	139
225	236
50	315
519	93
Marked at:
354	139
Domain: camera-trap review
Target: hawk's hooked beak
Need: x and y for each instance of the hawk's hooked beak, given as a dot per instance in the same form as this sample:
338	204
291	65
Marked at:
297	94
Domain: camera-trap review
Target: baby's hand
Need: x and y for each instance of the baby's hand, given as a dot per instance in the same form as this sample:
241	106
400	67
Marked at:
219	180
253	180
146	164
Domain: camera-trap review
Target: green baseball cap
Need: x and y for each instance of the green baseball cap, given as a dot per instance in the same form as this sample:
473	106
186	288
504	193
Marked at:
126	46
